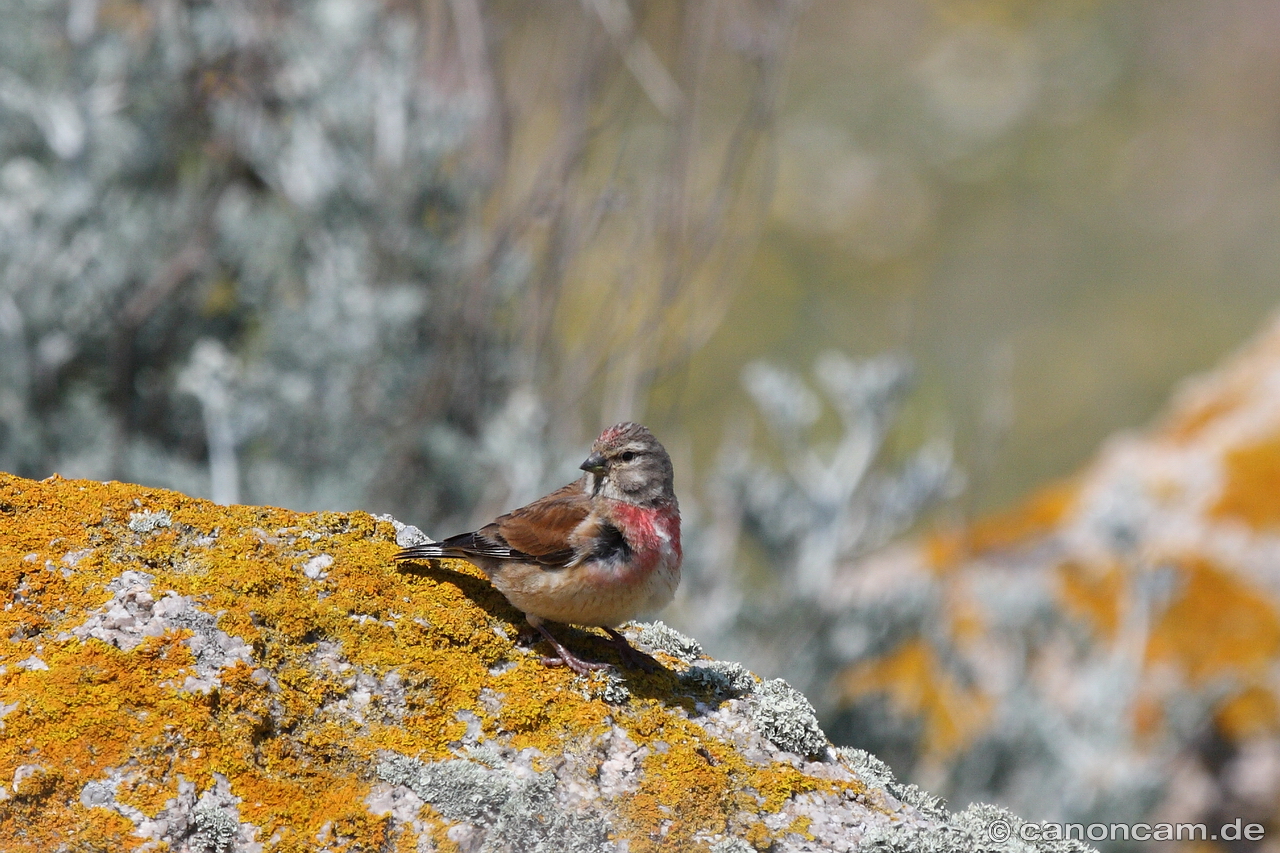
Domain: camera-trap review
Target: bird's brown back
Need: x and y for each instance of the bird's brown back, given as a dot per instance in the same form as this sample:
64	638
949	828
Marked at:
542	527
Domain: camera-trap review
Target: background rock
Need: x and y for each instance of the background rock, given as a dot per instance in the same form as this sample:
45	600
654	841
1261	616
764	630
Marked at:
1110	650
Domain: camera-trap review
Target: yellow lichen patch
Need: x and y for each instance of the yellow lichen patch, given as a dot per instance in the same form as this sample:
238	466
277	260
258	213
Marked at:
759	837
1093	595
688	794
800	826
778	783
93	709
1217	625
96	708
1251	484
692	783
29	830
920	686
1252	712
542	719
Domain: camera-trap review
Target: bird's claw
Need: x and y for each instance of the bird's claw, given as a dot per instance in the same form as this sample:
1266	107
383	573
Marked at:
631	656
566	657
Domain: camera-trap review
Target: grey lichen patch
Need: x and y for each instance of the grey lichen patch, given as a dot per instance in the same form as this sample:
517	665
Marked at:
732	845
133	614
207	824
459	789
724	678
871	770
148	522
659	637
356	694
876	774
921	800
513	812
406	534
316	567
786	718
615	690
215	823
215	830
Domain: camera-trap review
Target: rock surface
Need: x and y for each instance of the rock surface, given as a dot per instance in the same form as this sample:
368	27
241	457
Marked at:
184	676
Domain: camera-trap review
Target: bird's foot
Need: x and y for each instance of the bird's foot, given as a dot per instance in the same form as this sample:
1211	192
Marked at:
630	654
575	663
566	657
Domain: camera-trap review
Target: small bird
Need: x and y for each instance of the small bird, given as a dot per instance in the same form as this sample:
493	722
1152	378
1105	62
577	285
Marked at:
597	552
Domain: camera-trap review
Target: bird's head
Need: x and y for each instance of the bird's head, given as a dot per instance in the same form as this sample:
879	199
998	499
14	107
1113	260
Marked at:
627	463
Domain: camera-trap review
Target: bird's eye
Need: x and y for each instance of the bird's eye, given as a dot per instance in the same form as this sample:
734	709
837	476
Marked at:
627	457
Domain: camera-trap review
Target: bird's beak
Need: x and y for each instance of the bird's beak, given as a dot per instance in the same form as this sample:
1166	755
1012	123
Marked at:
594	464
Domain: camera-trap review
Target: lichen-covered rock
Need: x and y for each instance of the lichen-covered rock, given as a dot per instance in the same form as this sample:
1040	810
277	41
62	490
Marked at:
1109	650
179	675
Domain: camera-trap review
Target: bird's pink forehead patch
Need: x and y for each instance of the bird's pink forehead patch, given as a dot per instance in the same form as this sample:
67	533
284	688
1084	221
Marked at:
616	431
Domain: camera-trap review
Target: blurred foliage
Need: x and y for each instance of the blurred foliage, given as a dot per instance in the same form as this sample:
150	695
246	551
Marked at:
812	509
349	253
213	245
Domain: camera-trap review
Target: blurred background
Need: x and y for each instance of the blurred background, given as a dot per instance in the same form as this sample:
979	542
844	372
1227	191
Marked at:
868	269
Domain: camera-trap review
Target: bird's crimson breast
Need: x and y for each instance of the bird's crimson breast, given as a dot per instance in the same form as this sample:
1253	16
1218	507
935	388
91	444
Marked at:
652	533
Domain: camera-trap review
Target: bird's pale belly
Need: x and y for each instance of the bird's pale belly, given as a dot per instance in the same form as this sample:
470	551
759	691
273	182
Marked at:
595	595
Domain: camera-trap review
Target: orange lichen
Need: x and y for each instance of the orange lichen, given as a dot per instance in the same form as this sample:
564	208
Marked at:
920	685
1192	419
298	759
1148	715
1251	484
944	549
1252	712
1093	595
759	837
1033	517
1217	625
692	785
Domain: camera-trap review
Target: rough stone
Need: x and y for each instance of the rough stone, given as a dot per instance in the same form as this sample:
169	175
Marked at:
185	676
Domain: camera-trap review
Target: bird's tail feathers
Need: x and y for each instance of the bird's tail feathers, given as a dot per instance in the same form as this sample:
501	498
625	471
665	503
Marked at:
465	546
429	551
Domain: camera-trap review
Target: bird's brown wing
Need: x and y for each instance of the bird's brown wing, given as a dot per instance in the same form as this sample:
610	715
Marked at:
542	529
536	533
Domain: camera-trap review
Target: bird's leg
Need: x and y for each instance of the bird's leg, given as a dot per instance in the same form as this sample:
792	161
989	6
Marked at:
566	657
630	654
